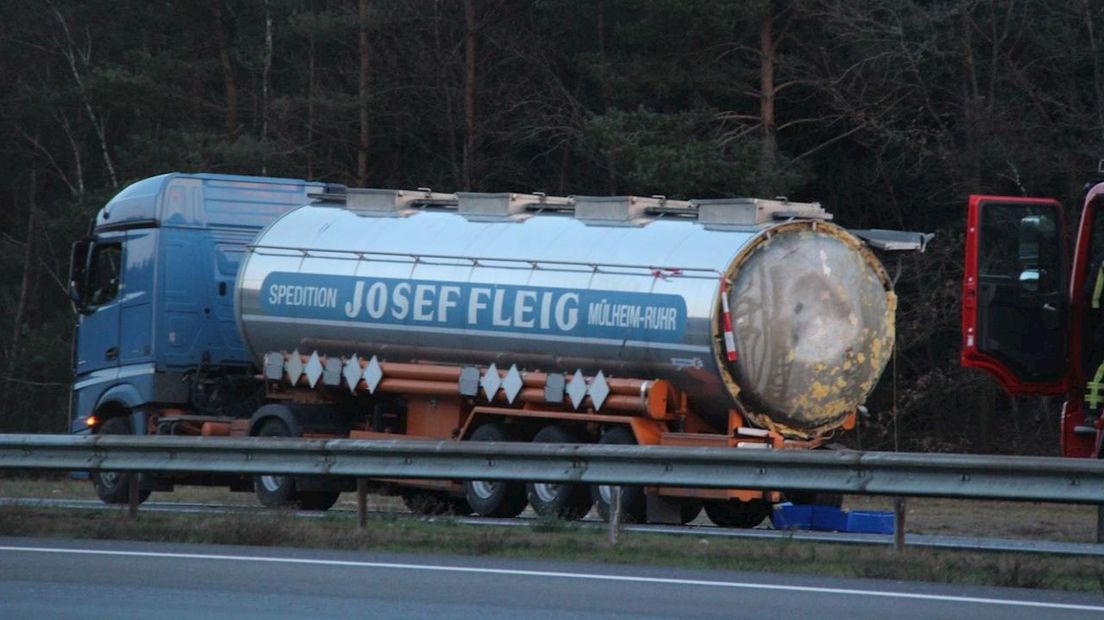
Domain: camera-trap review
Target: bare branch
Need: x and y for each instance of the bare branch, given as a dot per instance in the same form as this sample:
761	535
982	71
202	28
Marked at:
70	52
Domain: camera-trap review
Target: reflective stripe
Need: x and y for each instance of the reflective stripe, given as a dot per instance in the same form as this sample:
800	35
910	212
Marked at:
726	315
1093	389
105	375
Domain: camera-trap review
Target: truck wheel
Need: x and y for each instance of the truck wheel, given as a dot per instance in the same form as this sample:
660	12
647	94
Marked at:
113	487
488	498
276	491
562	500
736	513
632	497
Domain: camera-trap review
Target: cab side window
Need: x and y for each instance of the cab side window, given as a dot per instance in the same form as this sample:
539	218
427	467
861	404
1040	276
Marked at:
1018	245
103	274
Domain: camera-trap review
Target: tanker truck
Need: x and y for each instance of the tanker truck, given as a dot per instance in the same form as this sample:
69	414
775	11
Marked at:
219	305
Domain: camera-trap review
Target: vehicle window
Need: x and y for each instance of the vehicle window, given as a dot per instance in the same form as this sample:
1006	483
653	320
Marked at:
103	275
1019	243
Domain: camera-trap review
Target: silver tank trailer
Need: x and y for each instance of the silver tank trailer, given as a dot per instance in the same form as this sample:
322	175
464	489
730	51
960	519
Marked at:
629	286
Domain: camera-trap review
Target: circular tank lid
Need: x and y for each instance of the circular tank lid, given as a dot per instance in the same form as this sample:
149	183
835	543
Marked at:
813	325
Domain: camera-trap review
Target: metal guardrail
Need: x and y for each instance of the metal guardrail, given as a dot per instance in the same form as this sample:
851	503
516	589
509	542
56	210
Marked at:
876	473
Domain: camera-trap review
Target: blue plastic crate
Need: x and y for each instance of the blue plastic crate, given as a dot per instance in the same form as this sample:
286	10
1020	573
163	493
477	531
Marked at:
829	519
788	516
870	522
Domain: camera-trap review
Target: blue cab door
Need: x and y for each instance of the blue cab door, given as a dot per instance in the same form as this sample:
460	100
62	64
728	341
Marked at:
98	337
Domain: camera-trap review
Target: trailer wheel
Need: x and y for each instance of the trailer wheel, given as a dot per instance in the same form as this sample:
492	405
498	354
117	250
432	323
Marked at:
488	498
563	500
736	513
632	497
113	487
277	491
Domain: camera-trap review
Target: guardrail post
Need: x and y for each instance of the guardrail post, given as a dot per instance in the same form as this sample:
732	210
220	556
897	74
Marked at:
362	503
1100	524
615	514
899	524
132	495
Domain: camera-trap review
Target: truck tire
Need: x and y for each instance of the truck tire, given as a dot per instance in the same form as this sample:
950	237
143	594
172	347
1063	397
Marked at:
561	500
632	497
276	491
501	499
736	513
113	487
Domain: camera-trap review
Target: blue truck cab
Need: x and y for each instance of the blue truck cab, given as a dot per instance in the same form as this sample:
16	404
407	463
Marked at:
154	288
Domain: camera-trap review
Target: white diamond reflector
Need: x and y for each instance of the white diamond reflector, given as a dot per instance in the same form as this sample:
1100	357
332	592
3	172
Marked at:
313	369
294	367
512	384
599	390
274	366
491	381
352	373
577	388
373	374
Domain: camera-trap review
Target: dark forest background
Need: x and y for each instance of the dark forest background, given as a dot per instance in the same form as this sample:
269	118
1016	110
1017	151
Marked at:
889	112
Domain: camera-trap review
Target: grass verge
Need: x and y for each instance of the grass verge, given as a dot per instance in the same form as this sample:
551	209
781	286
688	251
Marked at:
563	542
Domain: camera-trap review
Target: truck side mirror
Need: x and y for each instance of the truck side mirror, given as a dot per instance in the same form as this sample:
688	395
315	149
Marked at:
1029	280
1035	233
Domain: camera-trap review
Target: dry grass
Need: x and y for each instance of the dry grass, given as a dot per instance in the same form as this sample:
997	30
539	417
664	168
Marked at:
563	542
988	519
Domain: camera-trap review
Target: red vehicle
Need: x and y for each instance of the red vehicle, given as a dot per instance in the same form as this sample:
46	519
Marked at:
1032	313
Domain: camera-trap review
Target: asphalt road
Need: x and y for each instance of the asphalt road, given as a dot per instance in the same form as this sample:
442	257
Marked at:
101	579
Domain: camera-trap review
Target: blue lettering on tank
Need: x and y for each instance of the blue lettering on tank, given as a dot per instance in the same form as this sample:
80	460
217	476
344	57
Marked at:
508	308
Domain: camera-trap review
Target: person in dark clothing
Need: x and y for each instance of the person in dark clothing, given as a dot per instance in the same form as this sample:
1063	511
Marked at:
1094	325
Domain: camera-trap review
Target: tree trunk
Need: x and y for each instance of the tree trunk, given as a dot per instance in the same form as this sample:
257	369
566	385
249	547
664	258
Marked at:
611	163
471	131
265	75
227	70
28	277
310	105
362	150
79	60
986	417
444	81
1098	84
768	55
